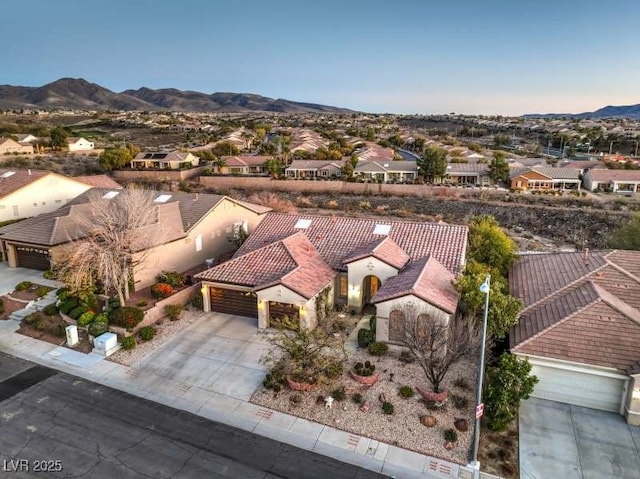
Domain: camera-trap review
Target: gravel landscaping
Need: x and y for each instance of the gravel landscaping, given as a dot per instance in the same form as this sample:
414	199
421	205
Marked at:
403	427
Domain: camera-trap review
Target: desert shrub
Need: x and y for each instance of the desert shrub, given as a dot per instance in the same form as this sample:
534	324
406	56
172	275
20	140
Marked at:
331	204
339	394
42	290
126	317
406	357
23	285
197	302
40	324
450	435
173	278
458	401
365	337
364	369
99	325
334	370
161	290
50	309
147	333
275	379
68	304
357	398
63	294
387	407
50	274
59	331
129	343
32	318
173	311
142	303
406	391
86	318
462	383
78	311
273	201
433	405
378	349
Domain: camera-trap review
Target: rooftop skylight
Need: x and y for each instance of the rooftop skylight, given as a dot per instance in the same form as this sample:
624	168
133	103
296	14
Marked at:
162	199
302	224
109	195
381	230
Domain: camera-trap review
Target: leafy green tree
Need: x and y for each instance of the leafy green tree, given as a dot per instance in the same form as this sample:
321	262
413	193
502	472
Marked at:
58	137
501	139
433	163
273	166
507	384
225	148
348	169
218	163
133	149
113	158
627	236
499	168
489	245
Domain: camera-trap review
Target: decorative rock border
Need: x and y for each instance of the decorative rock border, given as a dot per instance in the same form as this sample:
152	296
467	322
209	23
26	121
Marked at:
366	380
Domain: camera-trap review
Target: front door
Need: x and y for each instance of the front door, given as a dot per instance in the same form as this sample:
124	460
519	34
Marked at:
371	285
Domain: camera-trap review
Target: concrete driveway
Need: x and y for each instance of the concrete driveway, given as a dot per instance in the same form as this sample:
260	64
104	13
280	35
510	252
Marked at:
9	277
563	441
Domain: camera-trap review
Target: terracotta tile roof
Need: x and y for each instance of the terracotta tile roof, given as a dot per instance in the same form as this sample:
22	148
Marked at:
99	181
336	238
548	171
18	179
292	262
425	278
247	160
578	307
384	249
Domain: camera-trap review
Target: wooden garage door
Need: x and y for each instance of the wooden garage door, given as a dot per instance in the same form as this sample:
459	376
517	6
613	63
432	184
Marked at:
231	301
33	258
279	310
579	388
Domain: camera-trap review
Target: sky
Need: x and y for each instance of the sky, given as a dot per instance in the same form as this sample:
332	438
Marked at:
383	56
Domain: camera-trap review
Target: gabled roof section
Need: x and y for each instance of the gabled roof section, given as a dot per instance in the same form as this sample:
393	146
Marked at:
98	181
336	238
384	249
426	279
292	262
18	179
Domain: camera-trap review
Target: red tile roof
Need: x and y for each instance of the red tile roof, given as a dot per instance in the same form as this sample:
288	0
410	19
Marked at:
384	249
579	307
425	278
255	160
336	238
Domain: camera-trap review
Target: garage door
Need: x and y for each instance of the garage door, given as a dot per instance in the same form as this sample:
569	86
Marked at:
33	258
280	310
231	301
579	388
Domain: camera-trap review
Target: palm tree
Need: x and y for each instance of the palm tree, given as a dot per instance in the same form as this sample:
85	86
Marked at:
219	163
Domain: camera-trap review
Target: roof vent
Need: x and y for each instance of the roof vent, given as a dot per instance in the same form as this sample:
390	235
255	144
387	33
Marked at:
302	224
382	230
162	199
109	195
7	174
386	165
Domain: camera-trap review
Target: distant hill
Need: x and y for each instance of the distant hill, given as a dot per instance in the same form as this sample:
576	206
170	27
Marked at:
79	94
631	112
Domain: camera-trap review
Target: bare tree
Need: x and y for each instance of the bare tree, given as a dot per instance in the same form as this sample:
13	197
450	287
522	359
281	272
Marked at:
103	246
437	344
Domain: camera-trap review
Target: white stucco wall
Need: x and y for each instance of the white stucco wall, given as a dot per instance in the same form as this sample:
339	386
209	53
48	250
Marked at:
360	269
383	310
81	145
281	294
632	401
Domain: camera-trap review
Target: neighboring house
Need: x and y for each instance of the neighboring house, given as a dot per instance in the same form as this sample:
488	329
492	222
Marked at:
191	230
296	265
544	178
25	193
373	152
476	174
306	140
580	327
9	146
172	160
617	181
314	169
401	171
79	144
26	138
244	165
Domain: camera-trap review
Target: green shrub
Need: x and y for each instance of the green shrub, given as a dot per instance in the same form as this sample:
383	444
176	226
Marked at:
59	331
357	398
50	309
126	317
1	306
378	349
334	370
32	318
89	300
141	303
173	311
100	325
23	285
78	311
129	343
173	278
462	383
387	407
86	318
372	325
49	274
42	291
147	333
68	304
339	394
450	435
275	379
406	357
459	401
365	337
40	324
406	391
366	369
161	290
63	294
197	302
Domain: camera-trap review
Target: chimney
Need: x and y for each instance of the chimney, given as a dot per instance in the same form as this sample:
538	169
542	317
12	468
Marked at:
585	255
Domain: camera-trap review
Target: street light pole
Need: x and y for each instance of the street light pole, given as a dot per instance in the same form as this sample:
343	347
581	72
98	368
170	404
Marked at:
474	464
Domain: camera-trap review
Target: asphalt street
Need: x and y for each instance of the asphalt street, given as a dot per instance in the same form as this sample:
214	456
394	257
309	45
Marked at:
56	425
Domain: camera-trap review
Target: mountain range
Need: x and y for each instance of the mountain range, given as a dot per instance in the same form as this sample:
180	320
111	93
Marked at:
79	94
631	112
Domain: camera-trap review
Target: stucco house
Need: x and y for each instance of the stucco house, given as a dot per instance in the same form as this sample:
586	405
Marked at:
400	171
466	174
79	144
26	193
296	265
544	178
314	169
172	160
616	181
193	229
9	146
244	165
580	327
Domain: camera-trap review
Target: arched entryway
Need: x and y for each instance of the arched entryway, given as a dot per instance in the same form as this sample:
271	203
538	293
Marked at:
370	286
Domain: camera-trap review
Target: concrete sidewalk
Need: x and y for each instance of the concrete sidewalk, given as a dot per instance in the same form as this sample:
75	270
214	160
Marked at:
211	369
